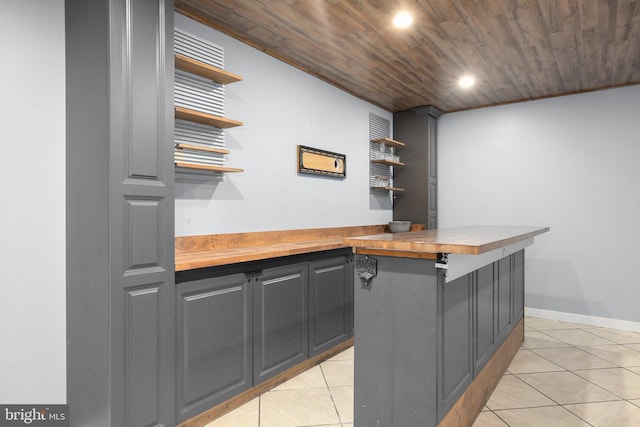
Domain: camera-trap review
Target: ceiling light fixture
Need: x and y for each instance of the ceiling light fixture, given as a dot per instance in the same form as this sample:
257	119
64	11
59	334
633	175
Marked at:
402	19
466	82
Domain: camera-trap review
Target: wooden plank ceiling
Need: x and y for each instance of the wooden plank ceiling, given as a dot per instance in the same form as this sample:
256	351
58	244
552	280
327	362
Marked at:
517	50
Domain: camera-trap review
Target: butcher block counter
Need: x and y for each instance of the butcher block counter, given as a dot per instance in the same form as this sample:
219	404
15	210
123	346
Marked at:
192	252
473	240
438	315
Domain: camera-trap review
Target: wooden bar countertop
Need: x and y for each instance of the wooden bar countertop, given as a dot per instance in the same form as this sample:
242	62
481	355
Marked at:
472	240
192	252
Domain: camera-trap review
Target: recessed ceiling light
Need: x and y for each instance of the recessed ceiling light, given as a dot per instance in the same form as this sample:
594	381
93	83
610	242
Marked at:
402	19
466	82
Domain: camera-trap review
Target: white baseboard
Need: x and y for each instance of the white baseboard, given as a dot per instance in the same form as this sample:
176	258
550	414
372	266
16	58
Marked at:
604	322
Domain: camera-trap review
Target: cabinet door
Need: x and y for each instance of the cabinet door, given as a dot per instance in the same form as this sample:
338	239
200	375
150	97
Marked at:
280	321
455	361
484	315
503	311
517	279
329	296
214	342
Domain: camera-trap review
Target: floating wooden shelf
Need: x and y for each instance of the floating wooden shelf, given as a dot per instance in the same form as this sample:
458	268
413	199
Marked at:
388	189
389	142
387	162
199	148
207	167
207	71
205	118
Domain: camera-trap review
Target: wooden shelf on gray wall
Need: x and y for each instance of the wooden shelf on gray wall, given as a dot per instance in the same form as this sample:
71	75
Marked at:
205	118
207	71
184	146
399	190
387	162
388	142
211	168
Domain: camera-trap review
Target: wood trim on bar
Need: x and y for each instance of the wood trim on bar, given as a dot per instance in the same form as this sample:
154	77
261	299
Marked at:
470	404
246	396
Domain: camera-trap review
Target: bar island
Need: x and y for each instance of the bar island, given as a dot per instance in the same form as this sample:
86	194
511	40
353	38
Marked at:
438	318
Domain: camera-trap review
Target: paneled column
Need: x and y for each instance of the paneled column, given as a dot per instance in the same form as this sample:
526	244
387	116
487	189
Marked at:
120	287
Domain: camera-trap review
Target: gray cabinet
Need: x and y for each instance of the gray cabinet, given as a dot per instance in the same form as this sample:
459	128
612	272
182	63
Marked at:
280	323
418	128
241	324
455	339
484	316
214	330
517	278
504	298
421	341
329	303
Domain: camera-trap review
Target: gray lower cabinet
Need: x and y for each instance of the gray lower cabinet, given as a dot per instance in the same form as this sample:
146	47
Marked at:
214	331
280	323
455	339
517	278
484	316
240	325
421	341
504	298
329	303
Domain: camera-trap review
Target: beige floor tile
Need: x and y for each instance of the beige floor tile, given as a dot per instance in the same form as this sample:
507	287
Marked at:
343	399
512	392
313	378
488	419
578	337
248	415
636	402
620	381
526	361
541	340
618	336
548	324
552	416
344	355
566	387
608	414
338	373
617	354
635	347
635	369
573	358
293	408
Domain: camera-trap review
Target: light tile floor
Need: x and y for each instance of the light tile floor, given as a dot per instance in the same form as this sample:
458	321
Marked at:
565	374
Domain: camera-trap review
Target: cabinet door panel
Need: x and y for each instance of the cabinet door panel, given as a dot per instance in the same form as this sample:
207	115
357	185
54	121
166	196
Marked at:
280	320
328	304
517	260
484	316
214	342
504	298
455	366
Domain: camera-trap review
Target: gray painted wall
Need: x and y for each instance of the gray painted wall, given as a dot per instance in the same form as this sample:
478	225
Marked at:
282	107
570	163
32	217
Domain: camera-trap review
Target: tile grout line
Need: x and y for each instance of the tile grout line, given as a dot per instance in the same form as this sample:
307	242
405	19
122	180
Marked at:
330	394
